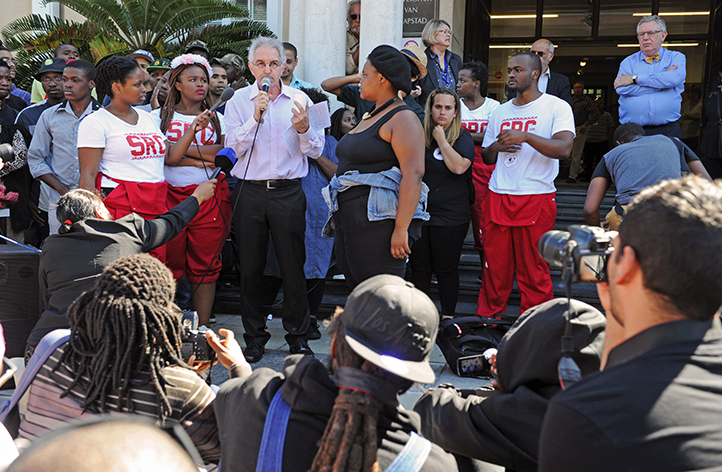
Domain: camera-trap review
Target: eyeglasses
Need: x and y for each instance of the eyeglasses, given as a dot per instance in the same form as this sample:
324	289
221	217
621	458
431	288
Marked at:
263	65
57	80
445	31
354	16
648	33
539	53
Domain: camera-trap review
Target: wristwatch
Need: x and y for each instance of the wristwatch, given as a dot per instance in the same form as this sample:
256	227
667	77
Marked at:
634	79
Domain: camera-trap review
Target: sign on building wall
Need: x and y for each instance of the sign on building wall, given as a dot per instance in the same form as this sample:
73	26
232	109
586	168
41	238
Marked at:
416	14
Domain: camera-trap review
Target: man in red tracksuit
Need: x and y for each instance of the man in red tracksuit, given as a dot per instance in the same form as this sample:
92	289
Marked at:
525	138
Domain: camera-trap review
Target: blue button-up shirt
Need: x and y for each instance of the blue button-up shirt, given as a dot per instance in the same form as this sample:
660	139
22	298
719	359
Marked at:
656	98
299	84
54	148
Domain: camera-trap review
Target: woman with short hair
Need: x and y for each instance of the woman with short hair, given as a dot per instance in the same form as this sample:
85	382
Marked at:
442	65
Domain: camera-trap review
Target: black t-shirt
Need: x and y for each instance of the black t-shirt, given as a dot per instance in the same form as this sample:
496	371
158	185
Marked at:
7	124
448	192
350	95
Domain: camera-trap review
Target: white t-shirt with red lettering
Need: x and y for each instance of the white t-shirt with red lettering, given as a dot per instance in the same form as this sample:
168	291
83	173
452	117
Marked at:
182	176
475	121
130	152
528	172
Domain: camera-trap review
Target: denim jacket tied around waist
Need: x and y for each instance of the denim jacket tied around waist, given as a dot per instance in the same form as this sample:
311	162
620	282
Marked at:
383	197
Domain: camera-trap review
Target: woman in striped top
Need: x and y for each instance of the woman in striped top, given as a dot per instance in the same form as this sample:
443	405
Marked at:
124	356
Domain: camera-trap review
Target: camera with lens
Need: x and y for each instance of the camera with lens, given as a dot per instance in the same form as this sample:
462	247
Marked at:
6	153
193	339
582	252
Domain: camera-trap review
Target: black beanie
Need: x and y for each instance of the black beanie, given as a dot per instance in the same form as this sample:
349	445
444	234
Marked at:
393	66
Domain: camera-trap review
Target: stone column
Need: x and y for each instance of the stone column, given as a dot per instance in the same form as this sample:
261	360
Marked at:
325	41
297	28
381	23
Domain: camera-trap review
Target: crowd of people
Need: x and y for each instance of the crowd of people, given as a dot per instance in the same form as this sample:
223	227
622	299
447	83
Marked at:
387	191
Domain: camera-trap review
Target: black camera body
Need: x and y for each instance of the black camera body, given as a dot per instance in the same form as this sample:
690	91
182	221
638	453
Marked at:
582	252
6	153
193	339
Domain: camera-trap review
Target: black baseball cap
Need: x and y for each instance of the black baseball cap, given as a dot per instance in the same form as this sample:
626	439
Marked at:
393	325
51	65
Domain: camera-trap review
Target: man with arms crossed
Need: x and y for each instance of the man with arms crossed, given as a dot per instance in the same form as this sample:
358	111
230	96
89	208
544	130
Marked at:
269	193
650	82
525	138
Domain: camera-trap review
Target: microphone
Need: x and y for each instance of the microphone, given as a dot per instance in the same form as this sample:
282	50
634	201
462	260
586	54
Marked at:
266	83
225	160
225	96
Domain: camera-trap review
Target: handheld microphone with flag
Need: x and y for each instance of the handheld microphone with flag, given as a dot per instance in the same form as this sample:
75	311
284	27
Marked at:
225	160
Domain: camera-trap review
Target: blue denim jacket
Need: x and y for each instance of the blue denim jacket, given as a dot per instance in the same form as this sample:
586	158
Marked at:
383	198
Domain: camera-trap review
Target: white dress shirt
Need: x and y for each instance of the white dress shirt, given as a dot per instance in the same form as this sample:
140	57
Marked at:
272	158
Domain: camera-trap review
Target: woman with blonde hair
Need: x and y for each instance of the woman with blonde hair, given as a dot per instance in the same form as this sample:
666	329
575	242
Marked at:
449	154
442	65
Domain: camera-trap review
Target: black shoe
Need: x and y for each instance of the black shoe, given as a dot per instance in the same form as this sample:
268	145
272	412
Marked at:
571	180
300	347
313	332
254	352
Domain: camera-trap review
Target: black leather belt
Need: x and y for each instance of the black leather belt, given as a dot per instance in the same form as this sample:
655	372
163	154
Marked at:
659	126
275	183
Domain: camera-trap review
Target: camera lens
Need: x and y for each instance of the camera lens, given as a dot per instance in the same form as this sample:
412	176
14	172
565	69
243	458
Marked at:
551	247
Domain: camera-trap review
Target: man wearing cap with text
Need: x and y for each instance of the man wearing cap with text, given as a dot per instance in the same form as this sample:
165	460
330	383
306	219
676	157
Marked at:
350	420
650	82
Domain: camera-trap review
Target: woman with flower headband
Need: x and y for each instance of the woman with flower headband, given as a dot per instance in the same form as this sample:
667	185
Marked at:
121	150
194	252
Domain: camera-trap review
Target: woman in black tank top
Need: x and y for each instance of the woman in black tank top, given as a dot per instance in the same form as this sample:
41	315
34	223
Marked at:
389	135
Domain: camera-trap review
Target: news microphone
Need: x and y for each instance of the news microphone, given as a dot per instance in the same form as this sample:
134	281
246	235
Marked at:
225	96
225	160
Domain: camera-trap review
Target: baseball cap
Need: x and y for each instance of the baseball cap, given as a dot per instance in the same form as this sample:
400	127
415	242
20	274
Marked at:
161	63
51	65
143	54
413	52
197	44
393	325
233	60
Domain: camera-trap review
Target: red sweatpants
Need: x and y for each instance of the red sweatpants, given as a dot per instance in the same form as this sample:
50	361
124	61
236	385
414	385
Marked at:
514	248
480	175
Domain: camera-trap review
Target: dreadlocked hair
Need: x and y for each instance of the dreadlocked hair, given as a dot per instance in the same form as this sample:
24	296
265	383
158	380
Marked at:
174	97
350	441
122	327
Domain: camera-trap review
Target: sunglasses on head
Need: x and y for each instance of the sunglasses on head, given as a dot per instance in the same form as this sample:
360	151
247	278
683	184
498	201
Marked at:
354	16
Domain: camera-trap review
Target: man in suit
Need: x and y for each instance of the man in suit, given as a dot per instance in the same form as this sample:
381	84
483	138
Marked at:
549	82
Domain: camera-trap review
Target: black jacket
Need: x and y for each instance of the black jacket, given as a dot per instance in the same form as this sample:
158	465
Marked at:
657	405
431	81
242	403
558	86
72	262
503	427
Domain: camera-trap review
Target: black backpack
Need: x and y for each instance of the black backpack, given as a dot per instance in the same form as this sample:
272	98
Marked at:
465	340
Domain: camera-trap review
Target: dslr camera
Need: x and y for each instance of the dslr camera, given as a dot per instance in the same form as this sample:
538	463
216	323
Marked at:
582	252
193	339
